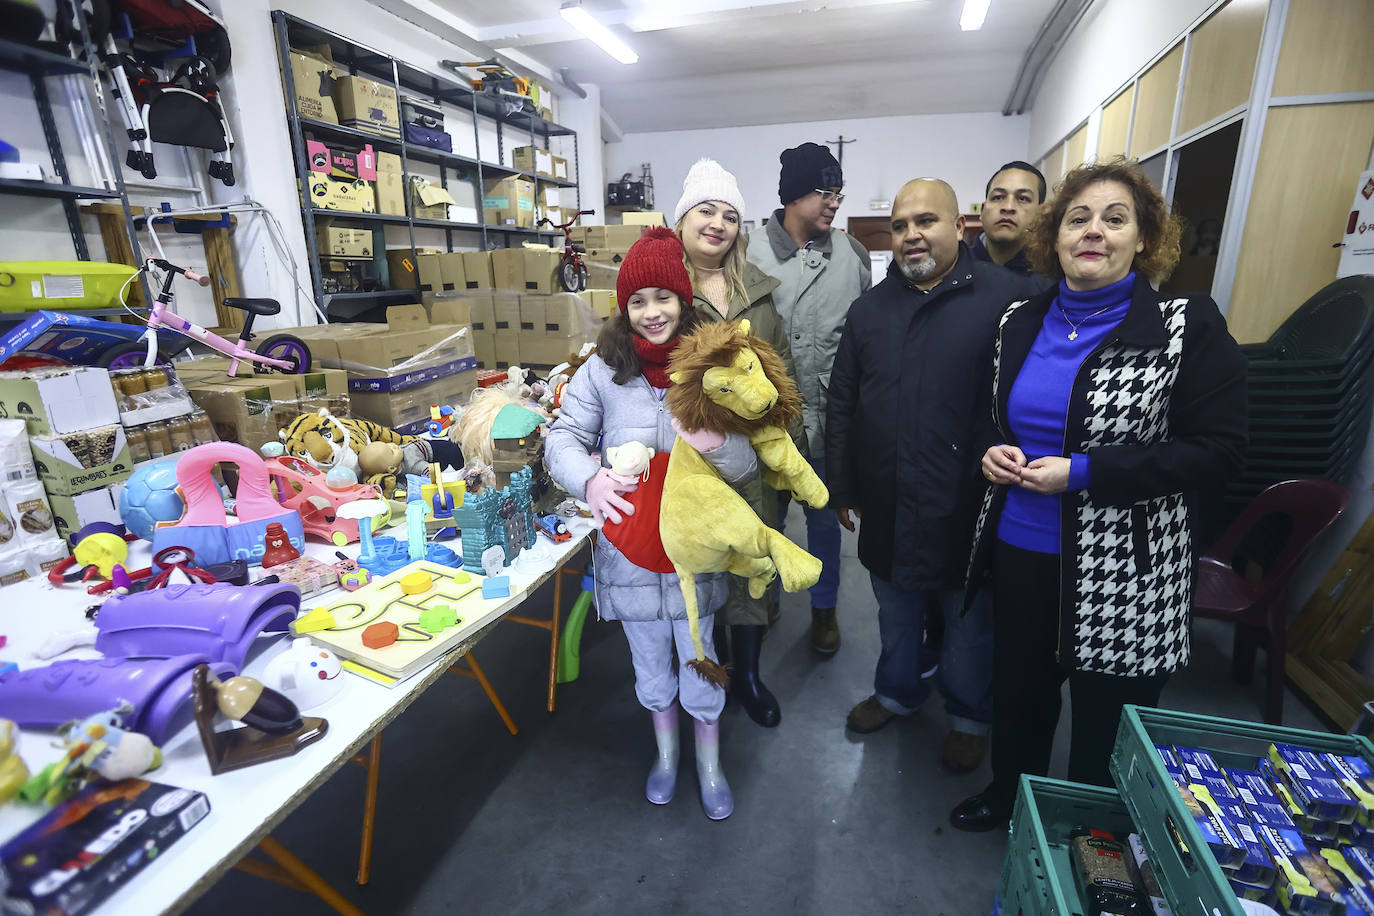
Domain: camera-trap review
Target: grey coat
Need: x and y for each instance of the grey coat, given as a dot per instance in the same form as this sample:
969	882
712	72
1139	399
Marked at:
816	286
598	414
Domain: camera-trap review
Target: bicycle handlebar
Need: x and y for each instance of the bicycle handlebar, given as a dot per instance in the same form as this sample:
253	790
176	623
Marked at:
184	271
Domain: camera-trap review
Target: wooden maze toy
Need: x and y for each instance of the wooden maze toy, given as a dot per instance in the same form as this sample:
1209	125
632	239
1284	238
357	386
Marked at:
419	600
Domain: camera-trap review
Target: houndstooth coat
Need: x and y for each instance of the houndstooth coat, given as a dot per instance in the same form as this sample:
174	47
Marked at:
1159	409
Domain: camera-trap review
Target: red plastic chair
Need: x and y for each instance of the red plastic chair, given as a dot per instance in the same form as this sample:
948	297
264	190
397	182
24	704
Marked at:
1260	609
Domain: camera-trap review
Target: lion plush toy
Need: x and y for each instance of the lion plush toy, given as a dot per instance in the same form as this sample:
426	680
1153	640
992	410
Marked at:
727	380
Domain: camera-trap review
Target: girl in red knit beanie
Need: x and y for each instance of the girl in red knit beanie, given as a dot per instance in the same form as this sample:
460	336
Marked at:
615	404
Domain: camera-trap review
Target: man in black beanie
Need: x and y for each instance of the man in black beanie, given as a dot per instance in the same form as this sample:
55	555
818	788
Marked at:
821	271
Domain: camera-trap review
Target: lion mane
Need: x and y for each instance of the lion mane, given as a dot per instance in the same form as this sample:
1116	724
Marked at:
717	344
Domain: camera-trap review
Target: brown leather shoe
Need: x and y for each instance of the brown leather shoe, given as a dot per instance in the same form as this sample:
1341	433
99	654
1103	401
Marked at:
825	632
869	716
963	752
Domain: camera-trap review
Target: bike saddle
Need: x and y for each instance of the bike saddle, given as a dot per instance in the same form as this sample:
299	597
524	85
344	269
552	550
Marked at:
254	306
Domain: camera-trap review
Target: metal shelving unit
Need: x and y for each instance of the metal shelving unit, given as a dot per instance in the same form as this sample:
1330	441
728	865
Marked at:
413	81
39	65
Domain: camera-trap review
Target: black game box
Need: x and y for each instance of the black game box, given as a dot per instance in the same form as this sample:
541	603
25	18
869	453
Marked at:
83	850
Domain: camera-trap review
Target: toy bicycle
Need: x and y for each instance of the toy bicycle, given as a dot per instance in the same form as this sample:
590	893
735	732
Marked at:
280	352
572	273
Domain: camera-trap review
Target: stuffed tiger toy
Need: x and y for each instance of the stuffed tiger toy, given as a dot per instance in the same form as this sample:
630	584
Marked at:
323	441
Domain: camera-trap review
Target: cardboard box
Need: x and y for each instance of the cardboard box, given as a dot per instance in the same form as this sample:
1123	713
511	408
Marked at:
71	463
429	200
505	312
451	273
616	237
643	218
602	301
482	311
477	270
526	270
429	268
509	202
531	315
560	168
249	411
507	349
320	387
484	345
603	266
563	315
367	104
342	163
545	351
533	159
57	401
344	241
314	77
448	308
391	195
72	513
352	195
408	410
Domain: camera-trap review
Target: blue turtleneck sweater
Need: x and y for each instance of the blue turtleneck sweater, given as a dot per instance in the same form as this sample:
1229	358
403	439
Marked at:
1039	402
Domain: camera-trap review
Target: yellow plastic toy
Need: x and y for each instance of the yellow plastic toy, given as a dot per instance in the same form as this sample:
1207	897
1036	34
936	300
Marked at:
727	380
13	772
101	550
318	619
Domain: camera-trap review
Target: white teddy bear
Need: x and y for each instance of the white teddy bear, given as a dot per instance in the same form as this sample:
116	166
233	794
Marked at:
630	460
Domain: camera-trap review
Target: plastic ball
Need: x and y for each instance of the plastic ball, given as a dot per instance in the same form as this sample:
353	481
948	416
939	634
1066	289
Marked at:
150	496
340	478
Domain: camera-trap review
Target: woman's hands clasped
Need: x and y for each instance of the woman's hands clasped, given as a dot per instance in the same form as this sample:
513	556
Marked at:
1006	464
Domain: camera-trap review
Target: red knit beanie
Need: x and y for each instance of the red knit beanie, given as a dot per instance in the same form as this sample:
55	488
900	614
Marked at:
656	260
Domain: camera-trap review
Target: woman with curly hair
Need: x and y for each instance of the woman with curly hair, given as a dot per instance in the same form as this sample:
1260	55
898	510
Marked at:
1113	407
727	288
617	399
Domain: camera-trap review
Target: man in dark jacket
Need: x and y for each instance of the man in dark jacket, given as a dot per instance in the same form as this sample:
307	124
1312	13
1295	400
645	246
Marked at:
1013	197
908	394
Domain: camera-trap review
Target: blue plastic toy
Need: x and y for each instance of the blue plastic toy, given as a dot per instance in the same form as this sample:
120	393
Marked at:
496	587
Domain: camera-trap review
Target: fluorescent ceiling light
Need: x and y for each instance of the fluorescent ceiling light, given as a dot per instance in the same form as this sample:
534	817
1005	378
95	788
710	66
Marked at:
601	36
975	11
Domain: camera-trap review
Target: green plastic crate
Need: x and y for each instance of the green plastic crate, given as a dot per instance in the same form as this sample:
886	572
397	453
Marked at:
1189	876
1038	873
30	285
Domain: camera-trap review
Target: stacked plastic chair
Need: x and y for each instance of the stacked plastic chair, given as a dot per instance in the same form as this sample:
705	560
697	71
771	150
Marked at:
1310	391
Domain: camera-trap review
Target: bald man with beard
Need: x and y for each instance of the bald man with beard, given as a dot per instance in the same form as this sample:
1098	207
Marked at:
909	398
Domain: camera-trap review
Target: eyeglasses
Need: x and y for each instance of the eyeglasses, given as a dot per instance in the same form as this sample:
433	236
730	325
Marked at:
828	196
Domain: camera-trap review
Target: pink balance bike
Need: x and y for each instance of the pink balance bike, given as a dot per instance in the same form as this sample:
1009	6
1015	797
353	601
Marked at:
280	352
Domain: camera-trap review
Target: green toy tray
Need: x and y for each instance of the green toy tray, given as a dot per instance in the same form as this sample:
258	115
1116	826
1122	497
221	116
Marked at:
1185	869
27	286
1038	873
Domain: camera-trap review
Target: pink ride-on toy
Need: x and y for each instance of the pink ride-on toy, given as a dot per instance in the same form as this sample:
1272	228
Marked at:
280	352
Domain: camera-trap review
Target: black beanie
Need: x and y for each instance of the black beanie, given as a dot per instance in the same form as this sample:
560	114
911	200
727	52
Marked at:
807	168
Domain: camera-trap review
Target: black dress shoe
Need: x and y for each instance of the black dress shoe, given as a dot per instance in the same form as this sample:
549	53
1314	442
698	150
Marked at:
974	815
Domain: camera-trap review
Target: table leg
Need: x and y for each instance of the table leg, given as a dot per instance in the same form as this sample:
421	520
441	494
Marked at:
553	638
373	764
303	873
474	670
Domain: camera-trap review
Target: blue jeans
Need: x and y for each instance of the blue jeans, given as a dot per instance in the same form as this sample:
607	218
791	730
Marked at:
822	542
965	675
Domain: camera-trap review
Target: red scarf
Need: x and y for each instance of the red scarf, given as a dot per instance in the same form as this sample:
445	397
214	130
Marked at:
653	359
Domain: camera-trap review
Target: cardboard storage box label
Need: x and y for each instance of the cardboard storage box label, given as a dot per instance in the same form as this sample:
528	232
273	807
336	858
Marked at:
509	202
477	270
345	241
367	104
526	270
76	462
314	80
352	194
391	197
56	401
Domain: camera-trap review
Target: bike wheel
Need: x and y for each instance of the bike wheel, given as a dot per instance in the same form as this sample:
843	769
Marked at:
582	275
568	275
125	356
286	348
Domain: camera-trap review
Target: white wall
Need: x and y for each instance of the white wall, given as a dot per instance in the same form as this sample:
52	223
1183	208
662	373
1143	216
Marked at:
1114	39
964	149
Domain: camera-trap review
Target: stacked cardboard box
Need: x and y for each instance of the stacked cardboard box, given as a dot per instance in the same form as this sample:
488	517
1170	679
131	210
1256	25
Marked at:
368	104
312	71
526	270
75	438
529	329
508	202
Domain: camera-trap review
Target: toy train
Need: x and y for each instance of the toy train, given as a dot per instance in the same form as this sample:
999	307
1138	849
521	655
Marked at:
552	527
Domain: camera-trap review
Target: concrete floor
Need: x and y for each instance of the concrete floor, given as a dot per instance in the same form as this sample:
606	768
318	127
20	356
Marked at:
473	820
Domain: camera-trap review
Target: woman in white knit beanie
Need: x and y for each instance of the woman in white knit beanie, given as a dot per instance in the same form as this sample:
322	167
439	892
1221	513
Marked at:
727	287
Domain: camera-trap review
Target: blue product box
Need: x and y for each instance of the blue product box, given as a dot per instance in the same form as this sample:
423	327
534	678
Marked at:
1226	849
1257	868
1312	784
1314	827
1354	775
1306	884
1355	891
1172	765
1197	763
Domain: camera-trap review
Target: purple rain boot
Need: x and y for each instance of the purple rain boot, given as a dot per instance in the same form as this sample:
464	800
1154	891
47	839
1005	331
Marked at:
662	780
716	799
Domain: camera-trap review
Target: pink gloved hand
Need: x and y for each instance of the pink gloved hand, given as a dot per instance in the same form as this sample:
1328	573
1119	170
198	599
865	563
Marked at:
703	440
603	498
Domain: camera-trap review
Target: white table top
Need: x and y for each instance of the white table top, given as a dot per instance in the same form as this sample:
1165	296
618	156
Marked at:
245	804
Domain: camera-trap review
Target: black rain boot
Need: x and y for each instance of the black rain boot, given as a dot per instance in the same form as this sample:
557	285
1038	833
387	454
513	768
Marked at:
721	640
745	643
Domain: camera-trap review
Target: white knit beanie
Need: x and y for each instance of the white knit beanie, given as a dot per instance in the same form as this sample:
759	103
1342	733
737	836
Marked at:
708	181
